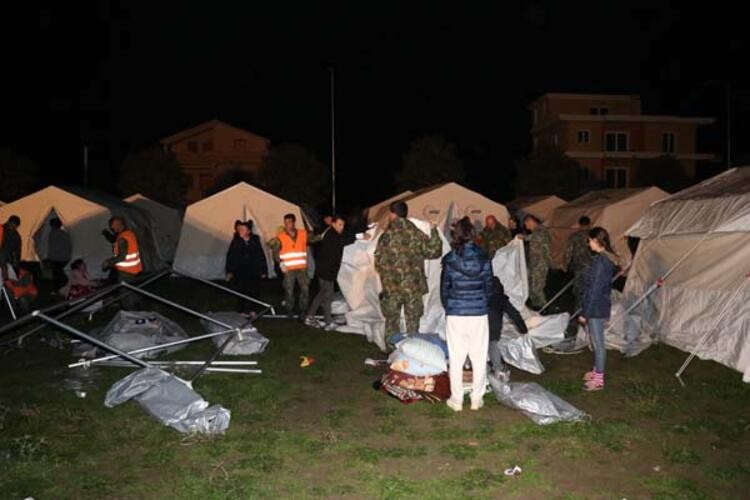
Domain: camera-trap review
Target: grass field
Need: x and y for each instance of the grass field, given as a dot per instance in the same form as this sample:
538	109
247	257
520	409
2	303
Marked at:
323	431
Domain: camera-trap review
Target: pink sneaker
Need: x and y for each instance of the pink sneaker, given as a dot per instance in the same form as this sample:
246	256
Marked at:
596	383
588	376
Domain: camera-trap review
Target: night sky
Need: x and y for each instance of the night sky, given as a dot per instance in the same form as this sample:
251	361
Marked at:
122	75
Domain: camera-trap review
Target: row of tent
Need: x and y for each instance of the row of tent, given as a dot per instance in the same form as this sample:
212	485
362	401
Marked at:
704	229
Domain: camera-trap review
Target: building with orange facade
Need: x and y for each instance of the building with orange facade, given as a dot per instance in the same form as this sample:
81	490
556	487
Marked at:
212	148
610	136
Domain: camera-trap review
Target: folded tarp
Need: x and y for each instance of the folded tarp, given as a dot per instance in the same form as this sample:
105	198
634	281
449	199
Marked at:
169	400
132	330
249	340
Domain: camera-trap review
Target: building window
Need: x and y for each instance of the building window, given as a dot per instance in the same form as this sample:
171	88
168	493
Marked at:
599	110
193	147
617	177
616	141
207	146
668	143
240	144
584	137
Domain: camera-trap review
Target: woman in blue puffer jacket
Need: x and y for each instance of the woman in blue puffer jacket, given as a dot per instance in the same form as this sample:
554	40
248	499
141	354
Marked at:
465	289
597	288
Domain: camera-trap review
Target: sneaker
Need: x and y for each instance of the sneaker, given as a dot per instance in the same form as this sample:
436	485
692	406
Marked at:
588	376
453	405
595	384
329	327
476	405
310	321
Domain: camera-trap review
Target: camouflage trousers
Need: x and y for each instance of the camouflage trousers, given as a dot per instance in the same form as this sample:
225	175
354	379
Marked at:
300	278
578	290
537	282
390	304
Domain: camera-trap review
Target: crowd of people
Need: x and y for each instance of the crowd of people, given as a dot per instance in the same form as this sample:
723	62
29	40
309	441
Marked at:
473	299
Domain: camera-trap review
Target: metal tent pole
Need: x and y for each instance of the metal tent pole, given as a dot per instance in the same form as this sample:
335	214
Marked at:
90	339
178	306
8	302
153	348
228	290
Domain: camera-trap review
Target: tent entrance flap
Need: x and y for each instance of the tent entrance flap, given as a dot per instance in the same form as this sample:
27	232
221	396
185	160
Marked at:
41	234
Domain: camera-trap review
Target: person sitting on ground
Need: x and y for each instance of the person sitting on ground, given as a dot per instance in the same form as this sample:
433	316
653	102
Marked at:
246	265
22	289
79	284
465	289
597	304
500	305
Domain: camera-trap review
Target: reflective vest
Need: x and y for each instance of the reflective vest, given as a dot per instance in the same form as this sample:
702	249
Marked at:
132	263
293	253
22	286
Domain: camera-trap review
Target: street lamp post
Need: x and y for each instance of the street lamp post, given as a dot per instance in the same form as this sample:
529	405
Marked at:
333	144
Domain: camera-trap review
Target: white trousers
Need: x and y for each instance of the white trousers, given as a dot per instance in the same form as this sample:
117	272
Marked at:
467	336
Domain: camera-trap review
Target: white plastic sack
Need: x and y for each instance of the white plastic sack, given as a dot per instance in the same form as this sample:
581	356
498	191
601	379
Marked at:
169	400
424	352
131	330
534	401
249	341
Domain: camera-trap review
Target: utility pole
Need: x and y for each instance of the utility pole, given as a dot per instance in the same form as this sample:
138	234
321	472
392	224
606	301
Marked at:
333	144
729	125
85	166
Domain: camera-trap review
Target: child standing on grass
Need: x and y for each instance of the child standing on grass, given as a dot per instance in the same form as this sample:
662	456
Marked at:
465	288
597	287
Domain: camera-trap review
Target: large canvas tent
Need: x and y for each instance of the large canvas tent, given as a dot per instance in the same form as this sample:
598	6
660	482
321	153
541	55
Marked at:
166	222
433	203
377	212
613	209
84	215
208	227
701	234
540	207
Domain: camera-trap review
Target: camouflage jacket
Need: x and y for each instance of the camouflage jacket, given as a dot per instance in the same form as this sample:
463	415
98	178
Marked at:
490	240
578	255
400	255
540	253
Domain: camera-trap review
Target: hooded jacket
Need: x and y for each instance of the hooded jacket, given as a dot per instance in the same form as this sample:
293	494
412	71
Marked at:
466	282
597	287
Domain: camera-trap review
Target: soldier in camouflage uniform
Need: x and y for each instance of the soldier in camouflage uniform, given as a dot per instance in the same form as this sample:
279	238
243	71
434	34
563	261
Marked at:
493	237
539	259
578	257
399	259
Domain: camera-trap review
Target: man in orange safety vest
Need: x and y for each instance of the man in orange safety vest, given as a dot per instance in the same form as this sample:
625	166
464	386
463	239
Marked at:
126	258
290	251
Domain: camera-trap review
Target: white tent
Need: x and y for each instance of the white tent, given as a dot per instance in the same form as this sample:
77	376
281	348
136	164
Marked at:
613	209
208	227
84	219
701	234
166	222
377	212
540	207
433	203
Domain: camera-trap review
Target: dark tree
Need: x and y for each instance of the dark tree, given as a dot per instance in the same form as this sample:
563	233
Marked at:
430	160
549	171
229	177
18	175
292	172
154	173
665	172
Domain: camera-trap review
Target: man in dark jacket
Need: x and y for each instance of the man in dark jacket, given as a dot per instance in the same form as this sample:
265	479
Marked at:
498	307
10	245
330	252
59	250
246	264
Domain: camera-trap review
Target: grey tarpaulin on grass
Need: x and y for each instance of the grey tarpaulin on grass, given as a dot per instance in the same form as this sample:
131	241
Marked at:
131	330
169	400
248	342
534	401
521	353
